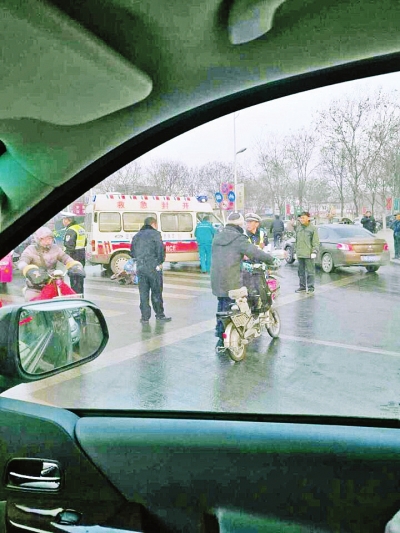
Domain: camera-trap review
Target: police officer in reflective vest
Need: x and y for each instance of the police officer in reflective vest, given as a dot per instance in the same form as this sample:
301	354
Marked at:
257	236
74	244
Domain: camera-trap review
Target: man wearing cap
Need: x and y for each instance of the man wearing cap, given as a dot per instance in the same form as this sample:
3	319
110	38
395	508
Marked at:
257	236
254	232
74	244
229	248
307	245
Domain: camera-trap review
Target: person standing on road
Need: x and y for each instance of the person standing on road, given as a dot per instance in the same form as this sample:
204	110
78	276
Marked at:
204	234
277	229
395	226
149	253
229	248
307	244
74	244
369	222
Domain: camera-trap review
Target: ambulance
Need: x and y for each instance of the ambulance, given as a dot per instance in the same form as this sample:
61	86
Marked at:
111	220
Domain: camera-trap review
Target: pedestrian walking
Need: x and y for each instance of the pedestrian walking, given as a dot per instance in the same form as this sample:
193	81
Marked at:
204	234
307	244
74	242
148	250
277	230
395	226
368	222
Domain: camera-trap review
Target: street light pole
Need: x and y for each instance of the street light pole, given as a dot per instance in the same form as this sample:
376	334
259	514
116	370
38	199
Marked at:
235	153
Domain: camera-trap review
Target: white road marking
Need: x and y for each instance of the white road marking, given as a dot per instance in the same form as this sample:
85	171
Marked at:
133	292
353	347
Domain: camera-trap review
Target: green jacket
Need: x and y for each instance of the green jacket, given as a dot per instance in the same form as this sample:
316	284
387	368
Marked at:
307	240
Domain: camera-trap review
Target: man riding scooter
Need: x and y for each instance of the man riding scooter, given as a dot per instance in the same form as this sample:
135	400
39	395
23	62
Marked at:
229	248
40	259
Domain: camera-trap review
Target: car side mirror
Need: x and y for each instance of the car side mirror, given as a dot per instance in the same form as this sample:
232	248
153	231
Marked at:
41	339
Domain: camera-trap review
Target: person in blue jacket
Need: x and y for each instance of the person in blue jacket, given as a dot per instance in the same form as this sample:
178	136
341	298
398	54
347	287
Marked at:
204	234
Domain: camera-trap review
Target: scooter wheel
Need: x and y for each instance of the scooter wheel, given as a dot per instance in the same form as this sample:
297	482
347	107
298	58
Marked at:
274	328
236	349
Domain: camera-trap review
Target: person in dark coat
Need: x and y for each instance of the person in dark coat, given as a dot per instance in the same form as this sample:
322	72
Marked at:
149	253
229	248
277	229
368	222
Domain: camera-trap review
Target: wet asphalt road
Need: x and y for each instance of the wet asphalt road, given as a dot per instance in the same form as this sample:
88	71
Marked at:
338	353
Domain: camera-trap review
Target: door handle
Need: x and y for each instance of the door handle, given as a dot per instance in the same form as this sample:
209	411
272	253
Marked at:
34	474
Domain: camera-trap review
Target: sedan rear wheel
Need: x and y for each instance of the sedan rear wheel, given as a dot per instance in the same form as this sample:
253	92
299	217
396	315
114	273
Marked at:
327	263
371	268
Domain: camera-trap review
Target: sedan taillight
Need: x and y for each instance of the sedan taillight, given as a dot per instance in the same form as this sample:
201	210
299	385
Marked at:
344	247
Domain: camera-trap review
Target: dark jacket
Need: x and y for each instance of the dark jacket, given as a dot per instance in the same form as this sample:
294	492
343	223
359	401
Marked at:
147	248
369	223
277	226
229	247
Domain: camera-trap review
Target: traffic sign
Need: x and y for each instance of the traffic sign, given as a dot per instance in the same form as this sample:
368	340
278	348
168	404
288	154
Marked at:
218	197
224	204
396	205
231	196
225	188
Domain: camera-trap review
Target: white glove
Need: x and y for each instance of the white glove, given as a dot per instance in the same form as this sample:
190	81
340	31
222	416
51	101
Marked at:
313	256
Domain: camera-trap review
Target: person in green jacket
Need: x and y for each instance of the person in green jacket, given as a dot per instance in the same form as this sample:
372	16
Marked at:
204	234
307	244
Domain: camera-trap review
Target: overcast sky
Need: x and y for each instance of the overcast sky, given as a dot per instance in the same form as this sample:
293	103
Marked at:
214	141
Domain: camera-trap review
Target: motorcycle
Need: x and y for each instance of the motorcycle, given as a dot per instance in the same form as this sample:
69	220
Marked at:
243	322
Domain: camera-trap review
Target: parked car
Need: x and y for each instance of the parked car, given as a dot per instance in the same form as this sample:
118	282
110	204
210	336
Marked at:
345	246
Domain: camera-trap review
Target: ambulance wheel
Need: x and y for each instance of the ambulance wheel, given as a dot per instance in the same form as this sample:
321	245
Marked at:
118	261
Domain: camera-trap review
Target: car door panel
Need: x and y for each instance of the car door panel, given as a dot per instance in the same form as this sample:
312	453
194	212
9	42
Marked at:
33	435
328	477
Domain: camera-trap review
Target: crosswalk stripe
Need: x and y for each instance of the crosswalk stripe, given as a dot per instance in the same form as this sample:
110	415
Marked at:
130	288
134	293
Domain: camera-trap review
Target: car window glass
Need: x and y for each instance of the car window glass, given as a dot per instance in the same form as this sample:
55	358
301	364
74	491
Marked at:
295	161
352	231
109	222
176	222
323	233
134	221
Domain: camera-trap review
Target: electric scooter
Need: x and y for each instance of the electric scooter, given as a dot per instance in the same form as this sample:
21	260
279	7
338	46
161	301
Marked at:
243	322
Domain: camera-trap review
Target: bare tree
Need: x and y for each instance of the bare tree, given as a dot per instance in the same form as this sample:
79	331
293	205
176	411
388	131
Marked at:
167	177
274	184
333	162
359	129
125	181
301	154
